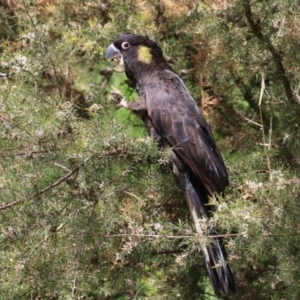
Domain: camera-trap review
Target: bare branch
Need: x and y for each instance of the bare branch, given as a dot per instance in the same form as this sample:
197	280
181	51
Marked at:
173	237
51	186
266	146
131	195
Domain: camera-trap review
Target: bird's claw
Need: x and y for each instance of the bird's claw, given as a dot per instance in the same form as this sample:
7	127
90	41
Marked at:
122	103
118	98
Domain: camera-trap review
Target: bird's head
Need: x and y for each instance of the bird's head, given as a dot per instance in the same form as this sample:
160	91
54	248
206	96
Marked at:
137	55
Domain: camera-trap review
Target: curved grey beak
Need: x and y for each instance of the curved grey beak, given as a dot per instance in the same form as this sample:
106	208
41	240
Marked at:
112	52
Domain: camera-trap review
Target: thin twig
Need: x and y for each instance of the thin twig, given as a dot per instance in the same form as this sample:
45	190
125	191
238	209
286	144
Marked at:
174	237
244	118
271	124
167	236
51	186
29	16
26	153
5	206
131	195
135	296
61	166
266	146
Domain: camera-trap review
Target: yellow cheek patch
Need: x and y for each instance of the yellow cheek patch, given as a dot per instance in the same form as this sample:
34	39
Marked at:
144	54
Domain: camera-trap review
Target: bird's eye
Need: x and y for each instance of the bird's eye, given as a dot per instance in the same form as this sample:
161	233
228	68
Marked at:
125	45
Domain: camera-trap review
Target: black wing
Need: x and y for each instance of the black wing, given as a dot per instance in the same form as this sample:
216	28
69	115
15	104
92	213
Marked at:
177	119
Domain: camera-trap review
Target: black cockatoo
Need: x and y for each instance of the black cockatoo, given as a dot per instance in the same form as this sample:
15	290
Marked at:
172	118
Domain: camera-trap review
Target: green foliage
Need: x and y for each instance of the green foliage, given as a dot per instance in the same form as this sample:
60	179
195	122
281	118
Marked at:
89	206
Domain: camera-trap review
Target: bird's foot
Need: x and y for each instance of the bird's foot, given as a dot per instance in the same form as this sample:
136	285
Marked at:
122	103
118	98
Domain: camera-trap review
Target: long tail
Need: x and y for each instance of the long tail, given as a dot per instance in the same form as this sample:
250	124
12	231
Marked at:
215	256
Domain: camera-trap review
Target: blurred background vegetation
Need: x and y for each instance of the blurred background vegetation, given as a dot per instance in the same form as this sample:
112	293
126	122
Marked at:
89	207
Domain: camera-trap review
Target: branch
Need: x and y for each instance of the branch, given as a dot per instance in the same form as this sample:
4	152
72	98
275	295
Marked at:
174	237
51	186
267	44
209	90
131	195
29	16
167	236
272	125
266	146
26	153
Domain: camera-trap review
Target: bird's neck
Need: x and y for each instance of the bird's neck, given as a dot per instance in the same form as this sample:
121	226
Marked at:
141	73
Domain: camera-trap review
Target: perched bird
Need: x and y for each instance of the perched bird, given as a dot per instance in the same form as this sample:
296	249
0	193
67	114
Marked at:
172	117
